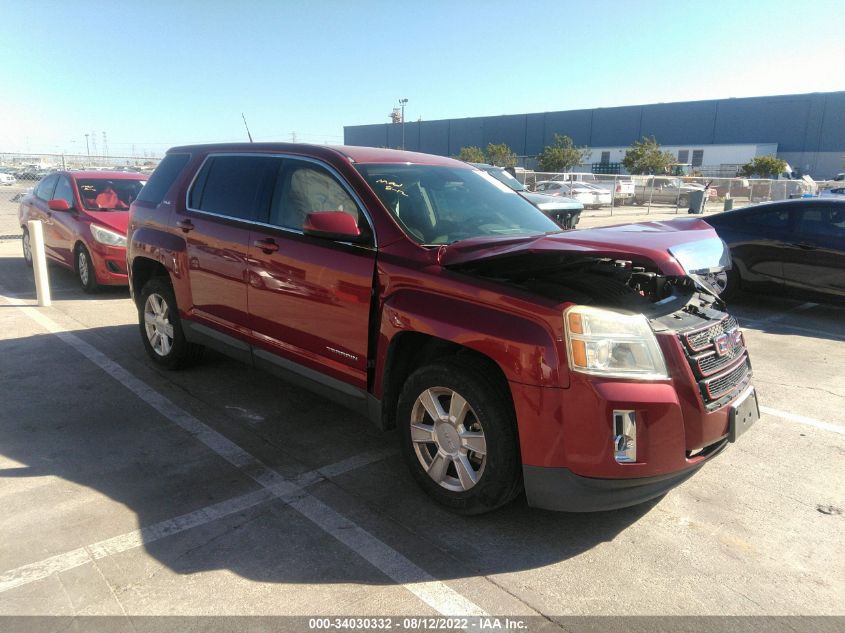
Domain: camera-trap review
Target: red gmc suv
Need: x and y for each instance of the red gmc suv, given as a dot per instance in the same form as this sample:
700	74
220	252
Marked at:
596	369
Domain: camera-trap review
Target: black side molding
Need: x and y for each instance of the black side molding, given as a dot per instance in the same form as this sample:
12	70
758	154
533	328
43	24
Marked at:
330	388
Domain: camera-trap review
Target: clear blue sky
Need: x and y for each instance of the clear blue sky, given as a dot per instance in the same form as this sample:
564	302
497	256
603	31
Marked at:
155	74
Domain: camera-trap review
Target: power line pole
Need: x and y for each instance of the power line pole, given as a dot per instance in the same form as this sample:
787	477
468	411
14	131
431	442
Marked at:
293	137
87	148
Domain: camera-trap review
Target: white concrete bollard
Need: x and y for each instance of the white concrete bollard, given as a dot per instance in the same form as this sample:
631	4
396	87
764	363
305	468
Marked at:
39	261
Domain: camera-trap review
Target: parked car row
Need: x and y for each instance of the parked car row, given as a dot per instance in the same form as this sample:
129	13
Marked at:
666	190
564	211
436	297
85	216
591	196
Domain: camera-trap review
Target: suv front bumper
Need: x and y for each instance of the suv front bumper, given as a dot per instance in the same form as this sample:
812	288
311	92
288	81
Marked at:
562	490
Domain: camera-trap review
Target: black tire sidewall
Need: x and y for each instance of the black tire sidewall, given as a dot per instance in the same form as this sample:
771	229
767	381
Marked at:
91	285
501	479
732	284
24	236
179	352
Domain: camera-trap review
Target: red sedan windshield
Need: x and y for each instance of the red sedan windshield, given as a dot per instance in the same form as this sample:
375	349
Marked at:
102	194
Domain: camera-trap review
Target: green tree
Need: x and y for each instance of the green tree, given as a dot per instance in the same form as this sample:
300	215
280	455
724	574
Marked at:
562	155
646	157
763	166
472	154
500	154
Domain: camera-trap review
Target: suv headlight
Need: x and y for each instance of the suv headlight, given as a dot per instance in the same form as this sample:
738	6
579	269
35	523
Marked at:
104	236
606	343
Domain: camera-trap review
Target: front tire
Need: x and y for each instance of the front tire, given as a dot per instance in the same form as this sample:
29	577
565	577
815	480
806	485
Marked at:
732	284
161	328
457	434
85	270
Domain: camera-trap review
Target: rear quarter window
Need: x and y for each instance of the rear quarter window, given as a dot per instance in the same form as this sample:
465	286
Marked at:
163	178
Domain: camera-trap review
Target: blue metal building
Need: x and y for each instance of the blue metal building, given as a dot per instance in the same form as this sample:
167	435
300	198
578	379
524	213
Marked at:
809	129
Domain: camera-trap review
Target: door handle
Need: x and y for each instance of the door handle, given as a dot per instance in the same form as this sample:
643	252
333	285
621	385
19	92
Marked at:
267	245
805	246
185	225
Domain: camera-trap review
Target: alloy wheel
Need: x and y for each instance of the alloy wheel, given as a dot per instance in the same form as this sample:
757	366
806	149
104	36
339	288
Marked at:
718	282
27	247
82	266
157	324
448	439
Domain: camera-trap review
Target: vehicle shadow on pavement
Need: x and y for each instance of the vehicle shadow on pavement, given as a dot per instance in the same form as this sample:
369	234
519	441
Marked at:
17	278
87	430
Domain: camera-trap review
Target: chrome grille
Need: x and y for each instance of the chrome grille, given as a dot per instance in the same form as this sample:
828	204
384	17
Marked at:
719	386
718	375
709	363
703	338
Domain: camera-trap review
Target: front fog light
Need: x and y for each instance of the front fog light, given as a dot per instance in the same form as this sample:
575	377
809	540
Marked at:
624	436
606	343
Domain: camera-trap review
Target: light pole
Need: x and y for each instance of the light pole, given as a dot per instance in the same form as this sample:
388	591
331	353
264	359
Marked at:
87	148
402	103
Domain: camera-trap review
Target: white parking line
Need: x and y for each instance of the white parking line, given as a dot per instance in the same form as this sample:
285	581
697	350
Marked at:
32	572
803	419
394	565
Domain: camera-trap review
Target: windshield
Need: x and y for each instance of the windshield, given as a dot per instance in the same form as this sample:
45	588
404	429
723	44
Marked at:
505	177
441	205
102	194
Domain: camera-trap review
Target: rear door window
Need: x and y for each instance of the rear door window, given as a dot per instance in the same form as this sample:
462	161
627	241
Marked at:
235	186
822	223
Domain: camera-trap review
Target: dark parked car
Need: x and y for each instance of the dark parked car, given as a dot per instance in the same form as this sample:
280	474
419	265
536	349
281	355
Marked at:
590	367
795	247
564	211
84	214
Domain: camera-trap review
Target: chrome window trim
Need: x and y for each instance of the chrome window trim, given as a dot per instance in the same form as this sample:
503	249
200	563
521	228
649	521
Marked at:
282	156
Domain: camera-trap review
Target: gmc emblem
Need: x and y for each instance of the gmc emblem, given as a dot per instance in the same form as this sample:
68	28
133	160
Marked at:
728	342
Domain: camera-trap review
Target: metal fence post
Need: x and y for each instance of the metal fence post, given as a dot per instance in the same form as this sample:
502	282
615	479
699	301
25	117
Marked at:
613	196
650	195
678	197
39	261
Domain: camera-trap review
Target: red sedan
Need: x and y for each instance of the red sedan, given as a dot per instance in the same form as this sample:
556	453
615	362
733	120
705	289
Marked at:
85	214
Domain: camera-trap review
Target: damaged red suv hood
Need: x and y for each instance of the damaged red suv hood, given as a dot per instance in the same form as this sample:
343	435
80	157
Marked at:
649	241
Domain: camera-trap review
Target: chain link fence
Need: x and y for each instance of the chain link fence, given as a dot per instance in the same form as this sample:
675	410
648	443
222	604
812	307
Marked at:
601	194
609	194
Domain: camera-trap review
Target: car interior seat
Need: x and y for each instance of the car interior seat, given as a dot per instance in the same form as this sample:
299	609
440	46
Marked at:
413	211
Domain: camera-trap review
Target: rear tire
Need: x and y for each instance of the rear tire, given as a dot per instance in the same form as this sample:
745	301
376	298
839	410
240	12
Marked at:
466	455
85	270
27	248
161	327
